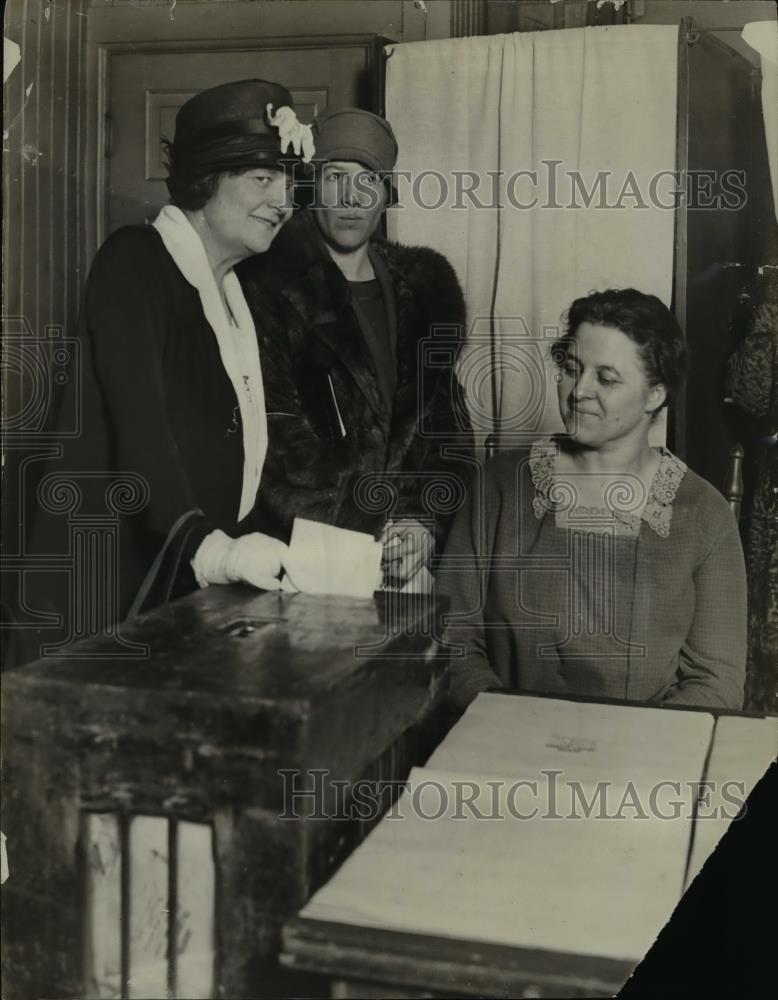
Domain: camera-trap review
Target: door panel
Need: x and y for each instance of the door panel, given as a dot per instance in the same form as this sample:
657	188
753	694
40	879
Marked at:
725	245
146	89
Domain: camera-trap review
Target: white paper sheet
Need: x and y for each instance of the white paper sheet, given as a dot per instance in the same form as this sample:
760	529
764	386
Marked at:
4	870
585	886
743	749
323	559
522	737
196	934
148	907
12	56
102	931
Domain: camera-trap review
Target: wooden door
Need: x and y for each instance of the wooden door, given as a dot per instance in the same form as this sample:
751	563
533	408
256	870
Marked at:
146	88
721	241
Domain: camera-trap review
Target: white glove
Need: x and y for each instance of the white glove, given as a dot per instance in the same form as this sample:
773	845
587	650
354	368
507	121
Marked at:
254	559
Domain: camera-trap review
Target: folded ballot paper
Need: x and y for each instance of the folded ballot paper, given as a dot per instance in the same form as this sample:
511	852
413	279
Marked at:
323	559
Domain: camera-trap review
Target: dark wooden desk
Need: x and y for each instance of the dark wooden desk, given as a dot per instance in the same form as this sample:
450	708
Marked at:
236	686
392	964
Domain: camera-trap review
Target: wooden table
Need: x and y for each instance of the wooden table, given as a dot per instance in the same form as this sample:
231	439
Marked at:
187	745
527	891
364	963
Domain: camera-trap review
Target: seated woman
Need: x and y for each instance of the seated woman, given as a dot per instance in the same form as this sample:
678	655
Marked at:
592	563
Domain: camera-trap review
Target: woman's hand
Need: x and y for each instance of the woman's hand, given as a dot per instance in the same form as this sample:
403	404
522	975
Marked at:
254	559
407	547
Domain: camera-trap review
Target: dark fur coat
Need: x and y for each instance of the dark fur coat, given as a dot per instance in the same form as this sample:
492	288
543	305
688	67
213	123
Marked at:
336	454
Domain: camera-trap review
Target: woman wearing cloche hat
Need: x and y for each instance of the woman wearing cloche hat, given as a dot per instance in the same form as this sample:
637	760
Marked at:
171	390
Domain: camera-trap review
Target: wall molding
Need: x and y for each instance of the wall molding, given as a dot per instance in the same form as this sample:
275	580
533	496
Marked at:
468	17
372	44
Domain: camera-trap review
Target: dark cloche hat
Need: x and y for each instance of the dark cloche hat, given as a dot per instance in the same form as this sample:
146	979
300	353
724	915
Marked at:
355	135
234	125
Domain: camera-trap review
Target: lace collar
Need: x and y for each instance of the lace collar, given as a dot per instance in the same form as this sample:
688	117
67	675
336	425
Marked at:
657	512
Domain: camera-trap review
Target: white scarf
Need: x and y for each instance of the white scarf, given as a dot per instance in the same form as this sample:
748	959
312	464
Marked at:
238	345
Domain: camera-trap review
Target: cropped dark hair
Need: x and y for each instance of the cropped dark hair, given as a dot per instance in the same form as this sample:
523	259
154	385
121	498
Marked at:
186	191
192	193
647	322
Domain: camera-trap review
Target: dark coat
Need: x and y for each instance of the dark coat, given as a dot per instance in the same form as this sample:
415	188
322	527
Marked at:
156	409
313	353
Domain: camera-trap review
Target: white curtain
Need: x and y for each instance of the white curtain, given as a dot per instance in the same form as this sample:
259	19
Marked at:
550	104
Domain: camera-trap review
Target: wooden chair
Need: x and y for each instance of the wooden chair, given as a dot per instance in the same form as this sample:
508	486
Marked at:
733	487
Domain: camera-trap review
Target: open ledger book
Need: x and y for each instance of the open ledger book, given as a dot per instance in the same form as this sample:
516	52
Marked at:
549	824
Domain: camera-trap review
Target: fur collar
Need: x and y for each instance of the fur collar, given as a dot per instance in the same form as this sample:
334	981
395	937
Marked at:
298	272
299	251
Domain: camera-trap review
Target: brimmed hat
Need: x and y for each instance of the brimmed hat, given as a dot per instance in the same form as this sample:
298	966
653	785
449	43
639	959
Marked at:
237	125
357	136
